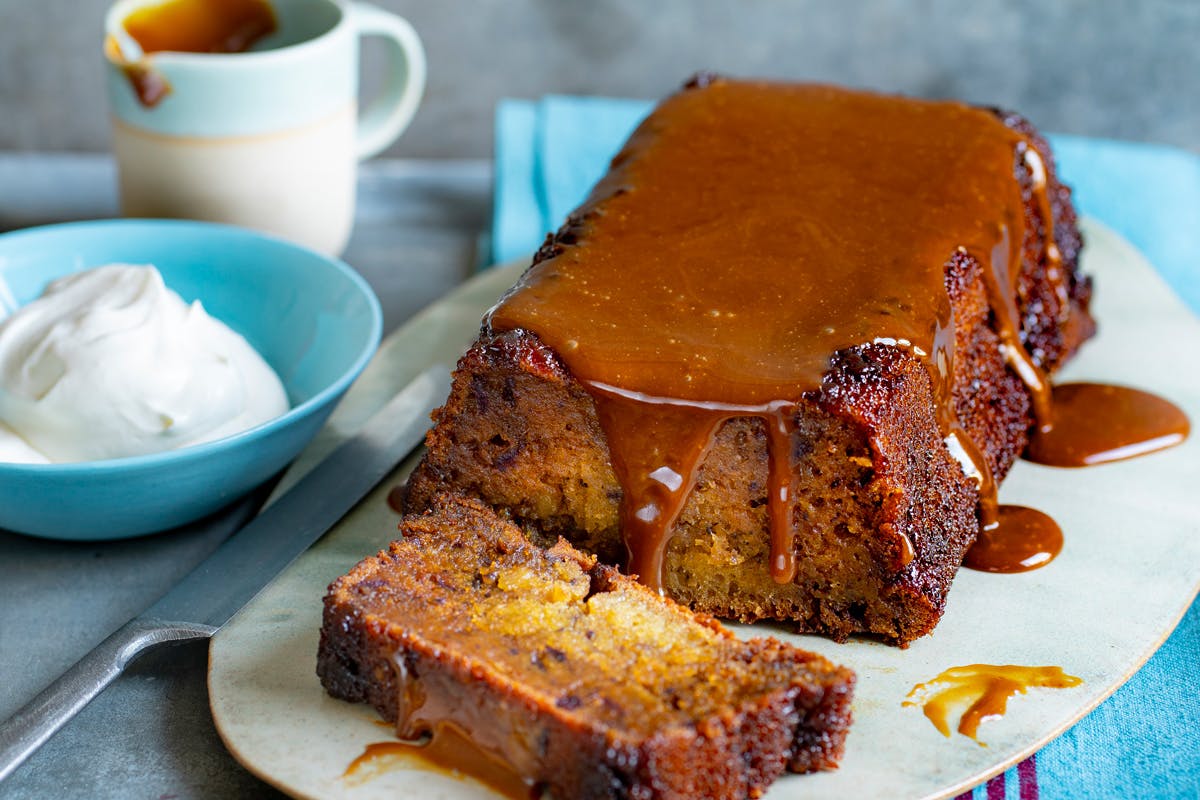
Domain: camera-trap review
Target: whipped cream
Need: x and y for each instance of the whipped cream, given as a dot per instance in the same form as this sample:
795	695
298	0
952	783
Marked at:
110	363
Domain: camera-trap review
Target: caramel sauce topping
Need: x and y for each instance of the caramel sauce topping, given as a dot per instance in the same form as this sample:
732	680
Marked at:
745	234
984	689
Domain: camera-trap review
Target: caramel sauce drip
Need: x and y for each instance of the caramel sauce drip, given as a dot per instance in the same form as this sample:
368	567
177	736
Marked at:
975	466
187	26
1000	281
149	85
745	234
448	750
658	473
1099	423
984	689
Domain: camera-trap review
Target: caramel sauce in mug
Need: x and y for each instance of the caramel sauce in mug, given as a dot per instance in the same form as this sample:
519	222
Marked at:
200	26
188	26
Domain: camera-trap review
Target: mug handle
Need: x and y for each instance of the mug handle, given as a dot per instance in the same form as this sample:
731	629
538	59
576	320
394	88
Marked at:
389	114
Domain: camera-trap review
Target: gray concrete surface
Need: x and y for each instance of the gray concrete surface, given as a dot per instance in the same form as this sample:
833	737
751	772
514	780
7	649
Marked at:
1098	67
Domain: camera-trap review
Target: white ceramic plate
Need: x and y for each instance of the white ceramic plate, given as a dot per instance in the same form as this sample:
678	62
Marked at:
1128	571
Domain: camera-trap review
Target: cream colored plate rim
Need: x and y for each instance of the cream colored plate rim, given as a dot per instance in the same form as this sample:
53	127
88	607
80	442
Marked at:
1129	570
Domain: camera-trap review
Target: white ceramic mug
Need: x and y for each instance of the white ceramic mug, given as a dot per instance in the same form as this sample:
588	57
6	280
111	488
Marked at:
269	138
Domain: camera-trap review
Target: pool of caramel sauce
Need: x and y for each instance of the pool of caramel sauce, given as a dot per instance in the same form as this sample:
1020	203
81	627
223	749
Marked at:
1098	423
1022	539
1093	424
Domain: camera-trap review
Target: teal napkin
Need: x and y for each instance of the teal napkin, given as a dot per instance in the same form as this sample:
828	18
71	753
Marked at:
548	156
1144	741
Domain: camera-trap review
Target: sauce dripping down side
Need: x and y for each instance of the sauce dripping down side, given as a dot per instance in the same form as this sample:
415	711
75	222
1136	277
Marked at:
149	85
673	439
984	689
713	275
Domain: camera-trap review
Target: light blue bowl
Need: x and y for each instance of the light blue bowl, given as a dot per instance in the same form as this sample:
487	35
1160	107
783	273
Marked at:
313	319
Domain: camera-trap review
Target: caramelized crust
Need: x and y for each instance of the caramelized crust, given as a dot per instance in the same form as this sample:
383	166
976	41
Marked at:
872	473
574	676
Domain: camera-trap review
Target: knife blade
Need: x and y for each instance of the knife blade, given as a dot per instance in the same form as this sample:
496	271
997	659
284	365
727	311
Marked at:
240	568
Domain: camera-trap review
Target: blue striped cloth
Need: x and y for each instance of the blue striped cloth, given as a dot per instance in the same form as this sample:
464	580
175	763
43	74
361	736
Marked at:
1144	741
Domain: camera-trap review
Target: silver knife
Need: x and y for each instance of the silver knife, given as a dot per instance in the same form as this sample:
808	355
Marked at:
240	568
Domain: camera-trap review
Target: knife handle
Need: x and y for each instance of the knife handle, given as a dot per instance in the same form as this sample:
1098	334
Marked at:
40	718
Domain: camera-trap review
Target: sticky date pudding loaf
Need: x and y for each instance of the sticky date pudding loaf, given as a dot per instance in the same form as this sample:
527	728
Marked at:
778	360
566	674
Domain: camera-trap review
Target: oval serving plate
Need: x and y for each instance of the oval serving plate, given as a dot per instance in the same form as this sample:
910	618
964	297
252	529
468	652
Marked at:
1098	611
